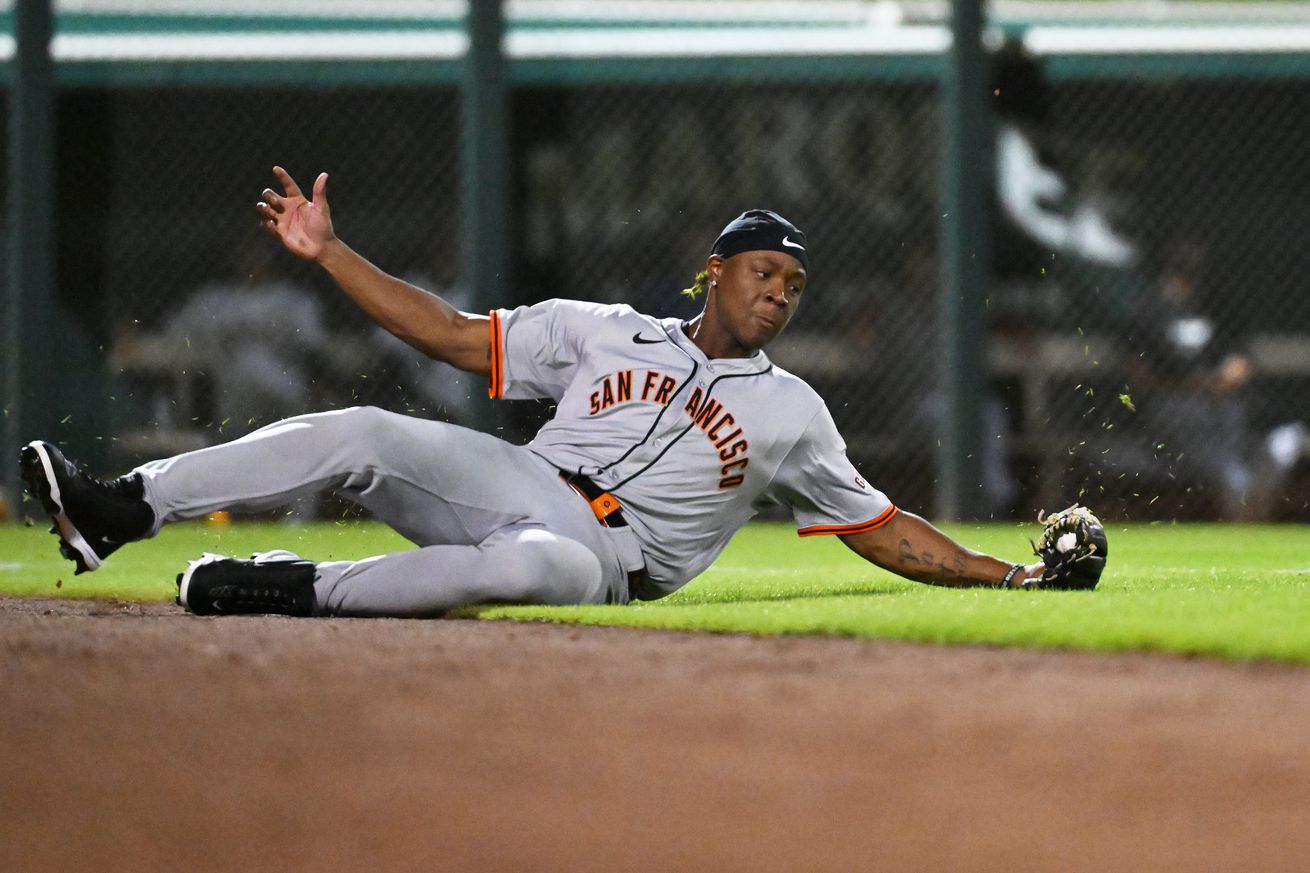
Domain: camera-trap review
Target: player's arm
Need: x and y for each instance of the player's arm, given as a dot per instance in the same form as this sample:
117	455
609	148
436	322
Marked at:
911	547
418	317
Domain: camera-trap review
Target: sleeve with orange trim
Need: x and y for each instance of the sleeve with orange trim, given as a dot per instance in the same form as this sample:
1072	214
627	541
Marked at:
825	492
495	381
535	350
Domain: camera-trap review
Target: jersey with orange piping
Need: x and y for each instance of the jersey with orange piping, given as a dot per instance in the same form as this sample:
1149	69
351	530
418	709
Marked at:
693	447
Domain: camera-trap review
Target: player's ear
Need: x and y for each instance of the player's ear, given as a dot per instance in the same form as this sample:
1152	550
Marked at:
714	266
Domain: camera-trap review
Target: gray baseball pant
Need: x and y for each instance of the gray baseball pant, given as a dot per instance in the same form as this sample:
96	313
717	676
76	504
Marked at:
494	521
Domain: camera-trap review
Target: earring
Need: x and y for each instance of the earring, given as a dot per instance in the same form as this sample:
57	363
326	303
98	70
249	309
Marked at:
714	283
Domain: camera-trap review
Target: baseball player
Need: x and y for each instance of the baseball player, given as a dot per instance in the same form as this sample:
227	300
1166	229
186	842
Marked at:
668	436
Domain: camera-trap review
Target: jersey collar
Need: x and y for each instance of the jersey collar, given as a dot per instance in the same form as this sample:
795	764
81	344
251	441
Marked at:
756	363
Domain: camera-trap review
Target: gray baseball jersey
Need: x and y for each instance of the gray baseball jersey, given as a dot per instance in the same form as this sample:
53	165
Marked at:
694	448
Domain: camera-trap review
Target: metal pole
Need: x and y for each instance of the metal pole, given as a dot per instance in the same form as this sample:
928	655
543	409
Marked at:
29	354
966	264
485	159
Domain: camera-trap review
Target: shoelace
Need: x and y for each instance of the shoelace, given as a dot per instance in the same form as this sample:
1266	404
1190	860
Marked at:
123	487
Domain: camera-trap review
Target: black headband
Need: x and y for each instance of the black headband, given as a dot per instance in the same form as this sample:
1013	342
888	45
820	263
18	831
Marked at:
761	230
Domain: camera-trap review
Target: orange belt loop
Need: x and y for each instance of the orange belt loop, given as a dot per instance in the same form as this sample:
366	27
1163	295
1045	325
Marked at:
605	505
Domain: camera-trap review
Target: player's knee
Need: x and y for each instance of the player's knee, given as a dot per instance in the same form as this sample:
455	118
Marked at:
361	429
548	569
367	421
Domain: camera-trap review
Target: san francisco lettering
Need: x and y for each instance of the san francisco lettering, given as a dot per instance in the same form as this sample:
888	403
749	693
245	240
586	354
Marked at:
616	388
719	426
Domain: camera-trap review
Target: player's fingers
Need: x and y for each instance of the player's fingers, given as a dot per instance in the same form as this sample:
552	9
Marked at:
273	199
270	226
320	190
288	184
266	213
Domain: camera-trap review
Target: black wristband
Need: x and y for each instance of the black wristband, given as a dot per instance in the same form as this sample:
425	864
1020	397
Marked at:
1009	576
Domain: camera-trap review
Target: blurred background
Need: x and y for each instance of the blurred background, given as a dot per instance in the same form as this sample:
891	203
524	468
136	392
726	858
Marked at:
1141	337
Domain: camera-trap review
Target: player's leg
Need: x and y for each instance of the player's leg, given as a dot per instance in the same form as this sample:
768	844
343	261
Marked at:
263	470
391	463
435	483
523	564
439	485
496	524
495	521
520	564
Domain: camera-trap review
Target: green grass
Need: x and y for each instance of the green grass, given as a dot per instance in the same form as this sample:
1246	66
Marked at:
1240	592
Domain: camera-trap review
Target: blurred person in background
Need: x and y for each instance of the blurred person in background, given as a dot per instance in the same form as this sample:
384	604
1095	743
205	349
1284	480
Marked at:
256	338
1060	262
1042	209
1189	377
254	342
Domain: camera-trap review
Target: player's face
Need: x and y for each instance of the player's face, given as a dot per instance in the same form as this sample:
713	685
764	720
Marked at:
757	294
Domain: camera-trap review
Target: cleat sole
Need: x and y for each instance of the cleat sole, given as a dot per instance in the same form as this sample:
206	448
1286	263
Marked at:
39	474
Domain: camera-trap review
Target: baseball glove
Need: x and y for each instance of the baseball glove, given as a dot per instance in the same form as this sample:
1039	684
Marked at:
1073	547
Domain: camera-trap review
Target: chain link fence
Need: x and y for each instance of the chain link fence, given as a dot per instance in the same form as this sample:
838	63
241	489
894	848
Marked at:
1147	324
210	329
1163	293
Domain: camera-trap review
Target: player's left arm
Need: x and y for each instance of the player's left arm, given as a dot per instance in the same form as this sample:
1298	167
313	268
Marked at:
911	547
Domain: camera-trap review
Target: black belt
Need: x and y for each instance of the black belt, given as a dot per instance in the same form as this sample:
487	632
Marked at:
607	508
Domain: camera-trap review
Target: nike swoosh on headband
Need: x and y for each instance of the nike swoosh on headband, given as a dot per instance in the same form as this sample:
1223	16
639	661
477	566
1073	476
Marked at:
787	242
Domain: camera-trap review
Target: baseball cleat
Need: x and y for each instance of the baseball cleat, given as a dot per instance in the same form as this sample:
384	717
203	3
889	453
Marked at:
92	517
276	583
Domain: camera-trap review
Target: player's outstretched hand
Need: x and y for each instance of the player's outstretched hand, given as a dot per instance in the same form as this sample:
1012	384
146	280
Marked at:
303	226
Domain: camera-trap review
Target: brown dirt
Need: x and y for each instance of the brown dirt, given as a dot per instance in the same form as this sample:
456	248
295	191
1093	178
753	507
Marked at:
137	738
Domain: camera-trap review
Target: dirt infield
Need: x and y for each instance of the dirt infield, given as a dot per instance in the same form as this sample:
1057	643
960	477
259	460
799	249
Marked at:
139	738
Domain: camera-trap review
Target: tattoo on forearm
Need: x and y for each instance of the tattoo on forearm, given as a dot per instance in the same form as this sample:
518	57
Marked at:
908	555
956	568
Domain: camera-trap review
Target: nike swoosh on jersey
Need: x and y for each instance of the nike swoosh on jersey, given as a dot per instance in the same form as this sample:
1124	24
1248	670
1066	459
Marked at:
787	242
638	338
